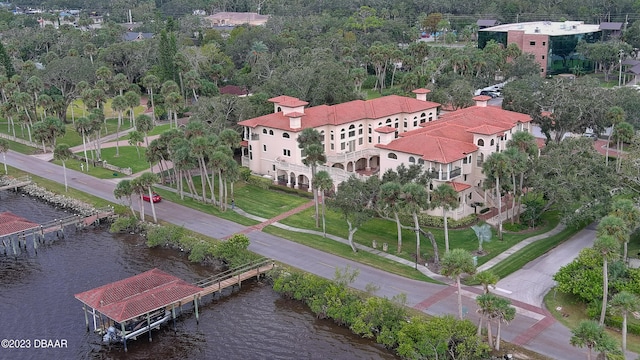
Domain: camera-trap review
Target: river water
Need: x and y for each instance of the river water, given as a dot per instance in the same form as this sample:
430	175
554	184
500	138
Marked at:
37	303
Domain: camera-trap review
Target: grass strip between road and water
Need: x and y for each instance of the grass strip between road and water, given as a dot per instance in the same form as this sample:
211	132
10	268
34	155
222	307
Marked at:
339	249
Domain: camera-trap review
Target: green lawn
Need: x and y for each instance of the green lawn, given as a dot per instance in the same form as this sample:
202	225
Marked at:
257	201
530	252
205	208
128	157
157	130
23	149
342	250
384	231
96	171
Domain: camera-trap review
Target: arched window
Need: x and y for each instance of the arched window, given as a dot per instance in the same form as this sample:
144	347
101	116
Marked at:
392	156
412	159
270	132
264	131
285	135
279	109
480	142
388	121
352	131
423	115
492	142
420	161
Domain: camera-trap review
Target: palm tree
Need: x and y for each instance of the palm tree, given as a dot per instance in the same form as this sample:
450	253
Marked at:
390	193
118	104
486	305
630	214
139	189
45	102
133	101
200	148
135	138
609	248
414	199
192	80
4	147
455	263
495	167
518	164
120	83
592	336
90	50
615	115
504	312
124	190
147	180
525	142
144	124
83	126
487	278
445	197
324	183
172	102
104	73
624	303
623	133
151	82
62	153
310	141
48	131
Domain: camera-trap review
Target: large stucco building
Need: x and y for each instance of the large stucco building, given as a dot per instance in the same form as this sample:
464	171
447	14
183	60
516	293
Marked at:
552	44
366	138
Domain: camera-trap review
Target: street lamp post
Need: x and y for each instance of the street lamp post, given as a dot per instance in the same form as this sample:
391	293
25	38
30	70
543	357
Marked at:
620	65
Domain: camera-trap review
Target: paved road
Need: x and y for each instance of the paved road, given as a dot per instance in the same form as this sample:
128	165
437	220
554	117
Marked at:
533	328
535	279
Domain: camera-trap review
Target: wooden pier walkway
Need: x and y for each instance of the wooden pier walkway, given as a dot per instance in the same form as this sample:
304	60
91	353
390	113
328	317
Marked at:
16	183
234	276
13	241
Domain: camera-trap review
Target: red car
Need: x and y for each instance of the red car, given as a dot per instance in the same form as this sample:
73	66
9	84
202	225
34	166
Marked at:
156	198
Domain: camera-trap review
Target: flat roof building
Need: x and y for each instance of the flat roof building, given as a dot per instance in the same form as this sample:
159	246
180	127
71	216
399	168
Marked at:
552	44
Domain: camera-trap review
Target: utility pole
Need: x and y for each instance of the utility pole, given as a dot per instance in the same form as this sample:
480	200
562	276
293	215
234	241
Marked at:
620	65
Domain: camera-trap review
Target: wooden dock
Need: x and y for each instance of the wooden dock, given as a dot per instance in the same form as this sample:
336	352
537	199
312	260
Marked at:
167	294
16	183
234	277
16	240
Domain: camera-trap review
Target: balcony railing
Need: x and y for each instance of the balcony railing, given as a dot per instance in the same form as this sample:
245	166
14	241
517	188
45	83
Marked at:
455	173
445	175
255	136
353	155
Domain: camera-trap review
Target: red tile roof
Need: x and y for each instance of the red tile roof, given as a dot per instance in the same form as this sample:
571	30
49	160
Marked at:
432	148
387	106
385	129
450	138
11	223
234	90
458	186
129	298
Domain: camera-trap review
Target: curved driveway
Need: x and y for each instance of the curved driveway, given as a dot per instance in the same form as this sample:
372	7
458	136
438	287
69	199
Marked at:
532	328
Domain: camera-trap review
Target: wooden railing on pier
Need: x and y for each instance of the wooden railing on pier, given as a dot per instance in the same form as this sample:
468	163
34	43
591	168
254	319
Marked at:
16	183
231	277
60	224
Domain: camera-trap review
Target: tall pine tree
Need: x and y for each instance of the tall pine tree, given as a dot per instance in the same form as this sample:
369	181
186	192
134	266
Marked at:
167	50
5	61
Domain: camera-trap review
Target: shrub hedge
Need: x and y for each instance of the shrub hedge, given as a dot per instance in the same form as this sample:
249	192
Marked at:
385	320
